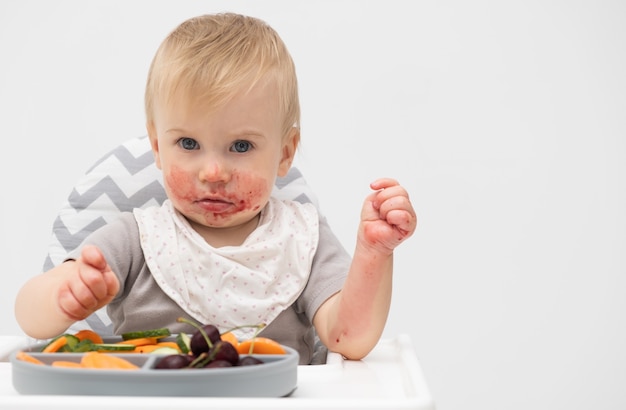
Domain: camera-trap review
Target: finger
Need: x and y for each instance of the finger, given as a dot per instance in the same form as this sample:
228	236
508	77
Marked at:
96	274
387	194
92	256
84	290
382	183
70	306
388	203
390	199
402	221
112	284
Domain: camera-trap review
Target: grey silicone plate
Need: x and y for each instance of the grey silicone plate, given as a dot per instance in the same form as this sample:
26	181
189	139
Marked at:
276	377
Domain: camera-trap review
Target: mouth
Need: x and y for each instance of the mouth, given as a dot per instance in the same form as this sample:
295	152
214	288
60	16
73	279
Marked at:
214	204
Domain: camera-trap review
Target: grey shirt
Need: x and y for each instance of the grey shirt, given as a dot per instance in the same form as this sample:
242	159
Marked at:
141	304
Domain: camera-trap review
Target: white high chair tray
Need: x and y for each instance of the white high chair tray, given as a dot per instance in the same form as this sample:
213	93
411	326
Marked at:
389	378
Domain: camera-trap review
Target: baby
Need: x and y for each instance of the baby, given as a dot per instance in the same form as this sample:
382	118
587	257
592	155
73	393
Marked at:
222	114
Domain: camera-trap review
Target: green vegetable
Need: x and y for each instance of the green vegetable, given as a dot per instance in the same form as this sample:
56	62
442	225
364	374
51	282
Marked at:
70	344
84	346
162	332
165	350
183	341
112	347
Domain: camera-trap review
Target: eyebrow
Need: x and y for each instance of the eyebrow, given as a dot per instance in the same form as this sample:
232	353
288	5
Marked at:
243	132
180	130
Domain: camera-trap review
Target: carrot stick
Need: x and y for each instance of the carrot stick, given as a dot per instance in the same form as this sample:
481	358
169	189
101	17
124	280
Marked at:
95	360
89	335
260	345
150	348
67	364
55	345
21	355
142	341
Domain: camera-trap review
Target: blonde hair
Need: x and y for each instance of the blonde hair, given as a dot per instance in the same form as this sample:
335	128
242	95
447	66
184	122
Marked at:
212	57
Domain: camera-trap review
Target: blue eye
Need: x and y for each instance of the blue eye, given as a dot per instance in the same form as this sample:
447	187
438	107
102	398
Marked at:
241	146
188	143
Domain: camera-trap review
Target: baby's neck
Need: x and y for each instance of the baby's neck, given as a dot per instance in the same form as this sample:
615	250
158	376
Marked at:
230	236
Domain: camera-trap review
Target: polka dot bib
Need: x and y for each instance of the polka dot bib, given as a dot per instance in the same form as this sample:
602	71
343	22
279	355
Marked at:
232	285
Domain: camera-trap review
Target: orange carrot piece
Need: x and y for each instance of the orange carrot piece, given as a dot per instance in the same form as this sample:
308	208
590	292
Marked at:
95	360
150	348
89	335
66	364
260	345
21	355
142	341
55	345
231	338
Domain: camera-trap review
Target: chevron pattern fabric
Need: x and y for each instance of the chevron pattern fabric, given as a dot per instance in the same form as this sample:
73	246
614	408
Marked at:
123	179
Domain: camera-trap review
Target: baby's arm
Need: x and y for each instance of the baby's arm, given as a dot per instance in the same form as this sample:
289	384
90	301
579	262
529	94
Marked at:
49	303
351	321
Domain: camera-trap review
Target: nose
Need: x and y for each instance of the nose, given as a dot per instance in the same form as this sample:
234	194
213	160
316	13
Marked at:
214	170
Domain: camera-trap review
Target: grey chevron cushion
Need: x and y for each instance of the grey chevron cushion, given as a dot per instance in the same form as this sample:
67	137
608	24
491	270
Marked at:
123	179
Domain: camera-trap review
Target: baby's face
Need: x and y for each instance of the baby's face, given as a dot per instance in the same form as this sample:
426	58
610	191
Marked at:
219	166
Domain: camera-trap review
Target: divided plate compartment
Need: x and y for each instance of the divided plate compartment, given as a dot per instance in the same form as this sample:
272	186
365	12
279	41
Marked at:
276	377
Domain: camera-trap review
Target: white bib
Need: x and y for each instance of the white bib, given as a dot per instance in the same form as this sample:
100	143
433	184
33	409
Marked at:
232	285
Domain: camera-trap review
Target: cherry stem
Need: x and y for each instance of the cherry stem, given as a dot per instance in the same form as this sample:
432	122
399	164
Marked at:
258	327
200	329
200	361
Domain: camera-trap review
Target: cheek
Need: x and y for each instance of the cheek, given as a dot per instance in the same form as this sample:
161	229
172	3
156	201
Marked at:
252	190
179	184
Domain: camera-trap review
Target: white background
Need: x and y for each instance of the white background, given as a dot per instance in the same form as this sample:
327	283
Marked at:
504	120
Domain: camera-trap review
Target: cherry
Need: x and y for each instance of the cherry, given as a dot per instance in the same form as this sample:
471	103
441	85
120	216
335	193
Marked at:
218	363
209	350
249	361
174	361
222	350
204	338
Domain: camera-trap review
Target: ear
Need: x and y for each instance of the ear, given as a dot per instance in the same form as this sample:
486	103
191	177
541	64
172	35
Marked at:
290	146
154	143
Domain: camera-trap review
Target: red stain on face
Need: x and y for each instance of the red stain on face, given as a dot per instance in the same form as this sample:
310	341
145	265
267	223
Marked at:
243	194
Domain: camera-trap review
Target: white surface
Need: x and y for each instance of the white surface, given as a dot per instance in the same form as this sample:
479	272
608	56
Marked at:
505	121
8	344
389	378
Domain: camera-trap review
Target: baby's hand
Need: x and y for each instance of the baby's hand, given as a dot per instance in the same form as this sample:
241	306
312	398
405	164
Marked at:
91	285
387	218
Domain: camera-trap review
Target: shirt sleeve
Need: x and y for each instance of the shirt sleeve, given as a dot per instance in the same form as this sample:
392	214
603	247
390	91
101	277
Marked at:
331	264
